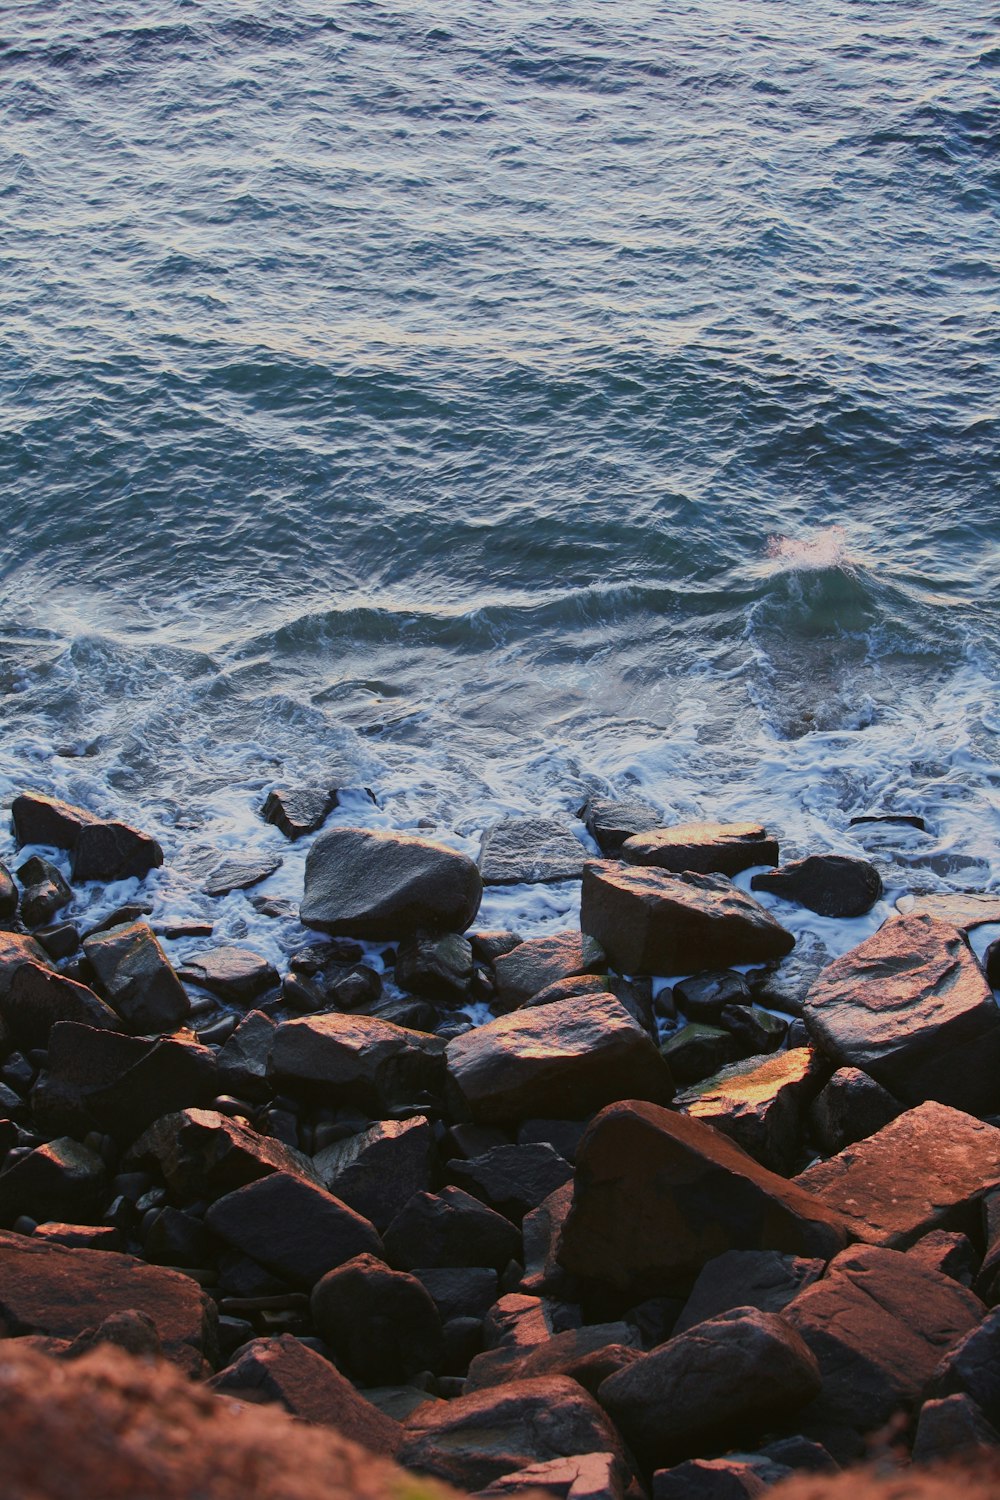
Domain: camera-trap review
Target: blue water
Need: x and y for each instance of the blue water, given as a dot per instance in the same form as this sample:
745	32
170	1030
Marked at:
498	403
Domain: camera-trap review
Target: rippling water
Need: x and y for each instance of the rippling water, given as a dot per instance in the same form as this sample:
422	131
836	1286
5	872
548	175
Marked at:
500	405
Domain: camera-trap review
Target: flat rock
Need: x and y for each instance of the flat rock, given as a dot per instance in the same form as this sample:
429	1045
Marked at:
702	848
52	1290
137	979
963	909
517	850
366	884
600	1348
240	874
298	810
911	1007
587	1476
536	964
38	998
235	974
972	1367
202	1154
834	885
658	1194
480	1437
367	1061
564	1060
610	820
653	922
378	1171
758	1103
764	1279
102	849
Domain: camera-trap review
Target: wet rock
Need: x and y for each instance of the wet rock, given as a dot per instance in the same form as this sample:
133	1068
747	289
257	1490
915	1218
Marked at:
240	874
658	1194
45	894
459	1291
925	1170
610	821
378	1171
102	849
764	1279
565	1059
16	950
756	1030
478	1438
60	940
972	1367
696	1052
175	1238
438	967
962	909
284	1372
292	1227
202	1154
512	1179
947	1251
711	1387
244	1060
234	974
851	1107
834	885
366	884
38	998
570	989
534	965
381	1324
953	1427
702	848
137	980
450	1228
57	1180
911	1007
991	964
8	894
759	1104
298	810
364	1060
59	1292
487	947
652	922
704	997
587	1476
588	1354
530	849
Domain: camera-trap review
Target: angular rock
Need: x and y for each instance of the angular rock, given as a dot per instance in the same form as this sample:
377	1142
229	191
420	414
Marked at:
610	821
572	1352
730	1478
358	1060
78	1236
512	1179
102	849
450	1228
240	874
487	947
244	1060
952	1427
925	1170
381	1323
40	903
756	1030
764	1279
38	998
834	885
366	884
517	850
712	1387
16	950
695	1052
962	909
137	979
540	1233
478	1438
587	1476
234	974
540	962
298	810
652	922
59	1292
438	967
759	1104
972	1367
704	997
849	1108
702	848
658	1194
202	1154
378	1171
60	1179
949	1252
516	1321
8	894
911	1007
566	1059
459	1291
294	1228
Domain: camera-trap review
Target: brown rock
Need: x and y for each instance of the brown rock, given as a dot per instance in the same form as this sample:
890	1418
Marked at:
563	1353
38	998
587	1476
963	909
703	848
540	962
16	950
203	1154
137	980
758	1104
370	1062
102	849
610	821
764	1279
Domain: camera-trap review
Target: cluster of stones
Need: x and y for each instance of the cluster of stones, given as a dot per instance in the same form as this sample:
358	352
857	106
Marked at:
549	1252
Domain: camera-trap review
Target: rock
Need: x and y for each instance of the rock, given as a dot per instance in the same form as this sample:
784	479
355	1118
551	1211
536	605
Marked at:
953	1427
38	998
541	962
562	1135
366	884
991	964
878	1324
240	874
652	922
102	1080
610	821
702	848
851	1107
294	1228
174	1238
102	849
588	1355
202	1154
963	909
478	1438
971	1366
756	1030
658	1194
133	1331
759	1104
137	979
42	899
8	894
516	1321
438	967
378	1171
59	1292
834	885
459	1291
784	985
711	1387
512	1179
234	974
925	1170
450	1228
517	850
78	1236
764	1279
382	1324
942	1483
704	997
911	1007
540	1233
366	1061
695	1052
487	947
58	1180
587	1476
566	1059
730	1478
948	1252
16	950
298	810
285	1372
244	1060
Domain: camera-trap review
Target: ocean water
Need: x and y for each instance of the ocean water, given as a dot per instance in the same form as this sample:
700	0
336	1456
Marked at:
491	404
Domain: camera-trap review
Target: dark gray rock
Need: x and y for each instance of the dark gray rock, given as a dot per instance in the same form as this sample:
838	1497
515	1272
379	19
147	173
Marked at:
512	1179
459	1291
175	1238
16	950
851	1107
235	974
696	1051
534	965
450	1228
764	1279
757	1031
365	1060
244	1060
137	980
587	1354
298	810
202	1154
487	947
610	821
530	849
381	1324
366	884
972	1367
704	997
378	1171
240	874
703	848
952	1427
834	885
102	849
8	894
59	1180
38	998
438	967
729	1478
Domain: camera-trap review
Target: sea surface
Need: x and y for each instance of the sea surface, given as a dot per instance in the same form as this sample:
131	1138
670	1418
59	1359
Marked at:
490	404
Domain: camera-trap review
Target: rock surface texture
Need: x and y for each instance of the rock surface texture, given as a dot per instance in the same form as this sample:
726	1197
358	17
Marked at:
366	884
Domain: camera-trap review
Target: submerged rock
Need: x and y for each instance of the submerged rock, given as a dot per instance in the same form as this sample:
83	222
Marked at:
367	884
530	849
298	810
240	874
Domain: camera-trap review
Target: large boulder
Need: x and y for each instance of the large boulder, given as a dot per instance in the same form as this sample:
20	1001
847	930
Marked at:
704	848
530	849
358	1059
367	884
102	849
834	885
658	1194
911	1006
653	922
137	979
927	1169
562	1060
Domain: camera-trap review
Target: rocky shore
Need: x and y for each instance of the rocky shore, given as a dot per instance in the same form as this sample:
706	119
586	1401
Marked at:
622	1240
